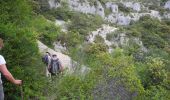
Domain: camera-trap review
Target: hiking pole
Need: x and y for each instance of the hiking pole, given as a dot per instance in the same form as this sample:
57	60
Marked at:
22	93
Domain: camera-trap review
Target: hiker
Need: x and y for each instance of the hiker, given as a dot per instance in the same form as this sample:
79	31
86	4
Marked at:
47	60
55	66
6	73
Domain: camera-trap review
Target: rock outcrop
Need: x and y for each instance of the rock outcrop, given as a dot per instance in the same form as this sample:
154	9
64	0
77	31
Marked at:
116	15
118	41
167	5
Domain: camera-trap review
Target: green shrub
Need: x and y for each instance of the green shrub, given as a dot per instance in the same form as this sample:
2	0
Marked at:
95	49
99	39
75	86
118	72
111	36
83	23
107	11
153	32
122	8
153	73
133	32
60	13
153	40
72	39
157	8
46	31
21	52
18	15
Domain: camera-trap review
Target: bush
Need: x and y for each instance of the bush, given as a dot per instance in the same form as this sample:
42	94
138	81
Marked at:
99	39
59	13
95	49
134	32
152	32
72	39
153	40
21	52
153	72
18	15
118	72
109	74
107	11
73	87
111	36
46	31
122	8
83	23
156	71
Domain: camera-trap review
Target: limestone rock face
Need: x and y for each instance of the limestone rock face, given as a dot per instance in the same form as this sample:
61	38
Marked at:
128	4
54	4
167	15
81	7
123	20
136	7
112	6
155	14
119	40
100	9
116	16
167	5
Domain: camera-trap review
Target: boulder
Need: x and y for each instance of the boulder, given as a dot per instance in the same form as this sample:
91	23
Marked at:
167	5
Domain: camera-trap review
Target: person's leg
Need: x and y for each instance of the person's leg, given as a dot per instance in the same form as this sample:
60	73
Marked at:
49	75
1	92
47	72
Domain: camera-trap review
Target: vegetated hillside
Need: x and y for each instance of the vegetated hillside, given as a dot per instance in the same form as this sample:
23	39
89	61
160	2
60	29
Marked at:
127	73
136	69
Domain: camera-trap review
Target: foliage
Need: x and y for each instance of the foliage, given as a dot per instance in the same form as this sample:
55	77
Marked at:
18	15
20	29
122	8
133	32
111	36
153	76
59	13
156	71
157	8
152	32
94	49
74	87
118	73
47	30
114	75
107	11
163	2
98	39
21	52
72	39
157	52
110	70
83	23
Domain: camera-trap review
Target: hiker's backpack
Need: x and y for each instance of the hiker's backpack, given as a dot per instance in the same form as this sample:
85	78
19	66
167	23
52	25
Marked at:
54	66
45	59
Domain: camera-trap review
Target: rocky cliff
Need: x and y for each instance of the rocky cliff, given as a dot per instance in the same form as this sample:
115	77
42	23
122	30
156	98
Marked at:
118	12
